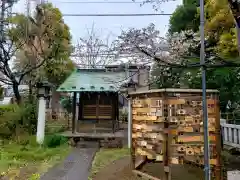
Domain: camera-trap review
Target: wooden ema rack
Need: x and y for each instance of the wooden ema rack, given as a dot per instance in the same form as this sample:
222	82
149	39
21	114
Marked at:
167	127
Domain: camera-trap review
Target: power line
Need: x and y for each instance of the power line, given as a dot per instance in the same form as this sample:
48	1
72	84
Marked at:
109	15
106	54
99	2
120	15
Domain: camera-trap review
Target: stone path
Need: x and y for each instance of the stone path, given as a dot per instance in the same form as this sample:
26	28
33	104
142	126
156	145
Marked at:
76	166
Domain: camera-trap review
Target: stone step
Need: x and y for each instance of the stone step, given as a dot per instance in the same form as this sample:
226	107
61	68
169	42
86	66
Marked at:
115	143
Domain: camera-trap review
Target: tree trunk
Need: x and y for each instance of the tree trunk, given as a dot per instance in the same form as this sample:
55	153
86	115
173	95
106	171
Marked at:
30	95
17	93
18	100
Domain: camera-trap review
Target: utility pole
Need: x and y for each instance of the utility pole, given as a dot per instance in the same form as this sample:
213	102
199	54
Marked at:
207	170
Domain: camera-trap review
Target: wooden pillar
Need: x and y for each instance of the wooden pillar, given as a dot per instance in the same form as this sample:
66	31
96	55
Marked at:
74	112
77	114
80	107
80	110
117	109
218	169
97	106
166	149
130	127
114	105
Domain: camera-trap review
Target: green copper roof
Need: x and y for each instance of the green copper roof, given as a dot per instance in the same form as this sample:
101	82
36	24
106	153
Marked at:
86	80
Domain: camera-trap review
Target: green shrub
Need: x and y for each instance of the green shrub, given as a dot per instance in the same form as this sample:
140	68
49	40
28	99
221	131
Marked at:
7	109
55	129
8	119
15	120
29	117
27	140
53	141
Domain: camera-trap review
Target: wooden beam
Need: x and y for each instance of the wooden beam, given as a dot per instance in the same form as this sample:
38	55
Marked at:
140	161
144	175
166	149
218	169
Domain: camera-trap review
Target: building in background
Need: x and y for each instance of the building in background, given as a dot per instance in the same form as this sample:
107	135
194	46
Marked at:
136	74
99	94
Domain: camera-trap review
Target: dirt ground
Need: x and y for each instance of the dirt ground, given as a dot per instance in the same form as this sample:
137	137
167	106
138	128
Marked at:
120	170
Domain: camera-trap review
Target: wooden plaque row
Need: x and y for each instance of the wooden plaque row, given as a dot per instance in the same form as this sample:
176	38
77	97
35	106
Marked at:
183	117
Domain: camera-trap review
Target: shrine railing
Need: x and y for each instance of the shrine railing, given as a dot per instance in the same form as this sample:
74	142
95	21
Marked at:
231	134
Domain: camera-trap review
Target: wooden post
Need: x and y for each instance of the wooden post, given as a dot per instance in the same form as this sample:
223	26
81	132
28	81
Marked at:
117	108
97	107
77	114
74	112
131	143
166	164
79	110
114	106
218	169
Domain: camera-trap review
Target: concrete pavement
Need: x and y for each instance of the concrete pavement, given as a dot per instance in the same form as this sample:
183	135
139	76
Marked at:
76	166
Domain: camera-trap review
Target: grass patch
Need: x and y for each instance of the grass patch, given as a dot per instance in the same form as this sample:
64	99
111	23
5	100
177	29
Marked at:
105	157
25	161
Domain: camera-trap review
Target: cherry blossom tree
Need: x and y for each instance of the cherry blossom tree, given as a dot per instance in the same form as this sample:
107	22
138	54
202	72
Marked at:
92	51
167	54
146	44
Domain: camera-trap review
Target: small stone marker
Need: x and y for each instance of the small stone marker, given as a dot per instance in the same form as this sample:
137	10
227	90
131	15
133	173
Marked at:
233	175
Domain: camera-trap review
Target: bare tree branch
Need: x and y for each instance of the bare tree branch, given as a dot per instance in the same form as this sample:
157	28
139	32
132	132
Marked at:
176	51
156	4
93	52
143	44
5	80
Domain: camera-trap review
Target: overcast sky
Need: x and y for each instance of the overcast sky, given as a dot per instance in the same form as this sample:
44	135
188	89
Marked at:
106	25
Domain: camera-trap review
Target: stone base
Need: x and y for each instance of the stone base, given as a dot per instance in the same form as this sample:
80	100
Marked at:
102	143
73	141
111	143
